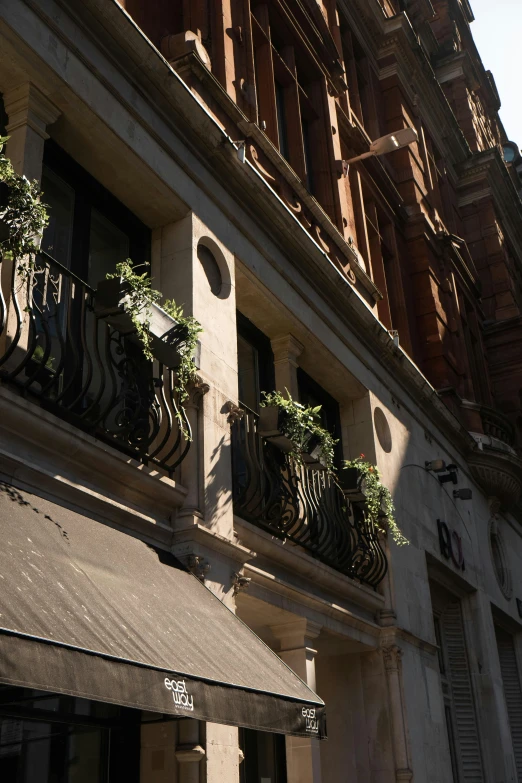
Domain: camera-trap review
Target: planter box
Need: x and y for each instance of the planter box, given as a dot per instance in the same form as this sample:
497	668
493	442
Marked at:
269	426
112	304
313	455
352	483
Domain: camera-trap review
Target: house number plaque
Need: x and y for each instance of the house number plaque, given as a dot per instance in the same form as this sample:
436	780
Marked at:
451	545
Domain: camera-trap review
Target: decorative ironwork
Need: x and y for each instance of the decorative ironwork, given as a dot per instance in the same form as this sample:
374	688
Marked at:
54	348
306	506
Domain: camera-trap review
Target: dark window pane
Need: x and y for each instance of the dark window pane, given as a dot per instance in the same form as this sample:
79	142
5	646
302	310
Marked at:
281	120
57	237
248	374
107	247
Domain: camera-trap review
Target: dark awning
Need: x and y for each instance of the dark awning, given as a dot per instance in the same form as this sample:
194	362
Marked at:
93	612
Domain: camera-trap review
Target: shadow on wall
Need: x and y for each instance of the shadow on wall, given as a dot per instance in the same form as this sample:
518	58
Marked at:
218	487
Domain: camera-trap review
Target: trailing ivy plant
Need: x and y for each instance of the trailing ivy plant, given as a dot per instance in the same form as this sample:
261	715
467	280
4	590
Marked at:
299	423
378	499
141	298
22	214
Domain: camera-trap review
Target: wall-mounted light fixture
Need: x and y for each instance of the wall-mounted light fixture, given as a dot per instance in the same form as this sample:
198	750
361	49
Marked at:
463	494
436	465
451	475
383	145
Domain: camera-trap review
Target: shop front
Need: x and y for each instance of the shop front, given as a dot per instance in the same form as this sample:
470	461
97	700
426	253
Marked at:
103	636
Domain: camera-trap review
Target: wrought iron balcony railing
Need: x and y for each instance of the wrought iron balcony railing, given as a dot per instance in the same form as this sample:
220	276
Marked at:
307	507
55	349
496	425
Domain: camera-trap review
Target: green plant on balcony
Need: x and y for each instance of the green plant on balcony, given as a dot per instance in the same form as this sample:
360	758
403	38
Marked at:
23	217
140	299
380	508
300	425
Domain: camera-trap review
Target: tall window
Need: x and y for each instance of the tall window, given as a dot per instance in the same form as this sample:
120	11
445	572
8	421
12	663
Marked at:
289	99
312	394
363	84
255	363
89	230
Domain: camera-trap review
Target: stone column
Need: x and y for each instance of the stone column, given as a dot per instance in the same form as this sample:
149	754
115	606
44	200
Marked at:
392	661
191	469
286	351
223	755
189	752
303	757
30	113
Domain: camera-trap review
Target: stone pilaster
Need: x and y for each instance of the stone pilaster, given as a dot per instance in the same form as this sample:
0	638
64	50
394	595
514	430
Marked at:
303	757
189	751
392	655
286	352
29	113
191	468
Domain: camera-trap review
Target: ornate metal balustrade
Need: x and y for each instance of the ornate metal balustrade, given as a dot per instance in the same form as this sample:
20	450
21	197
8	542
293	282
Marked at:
306	506
496	425
54	349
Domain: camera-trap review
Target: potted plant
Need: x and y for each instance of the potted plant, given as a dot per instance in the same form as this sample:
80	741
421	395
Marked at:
127	301
22	216
293	428
361	481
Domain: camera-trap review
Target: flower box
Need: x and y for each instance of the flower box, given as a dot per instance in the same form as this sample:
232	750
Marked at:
270	426
312	454
112	303
352	483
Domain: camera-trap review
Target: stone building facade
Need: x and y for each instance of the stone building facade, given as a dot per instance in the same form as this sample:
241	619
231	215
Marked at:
209	138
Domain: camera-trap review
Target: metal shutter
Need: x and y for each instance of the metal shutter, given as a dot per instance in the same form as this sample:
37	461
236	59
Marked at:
462	695
512	692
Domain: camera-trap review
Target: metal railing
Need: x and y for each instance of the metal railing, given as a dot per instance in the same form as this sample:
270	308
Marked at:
54	349
496	425
307	507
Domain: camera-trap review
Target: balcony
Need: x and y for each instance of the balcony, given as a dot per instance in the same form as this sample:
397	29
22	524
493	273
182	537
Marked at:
307	507
58	353
494	463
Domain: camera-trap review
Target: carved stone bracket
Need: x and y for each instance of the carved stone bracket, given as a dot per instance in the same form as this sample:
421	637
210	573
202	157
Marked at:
198	566
196	392
186	753
239	582
234	412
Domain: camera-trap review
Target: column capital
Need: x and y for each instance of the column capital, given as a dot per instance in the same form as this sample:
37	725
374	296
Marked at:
27	105
392	655
297	634
286	349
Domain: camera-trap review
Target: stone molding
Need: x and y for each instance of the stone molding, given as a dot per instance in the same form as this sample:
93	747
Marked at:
27	105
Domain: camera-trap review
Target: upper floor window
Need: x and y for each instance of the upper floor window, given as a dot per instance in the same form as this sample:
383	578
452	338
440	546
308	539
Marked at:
287	85
362	81
255	363
312	394
89	230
